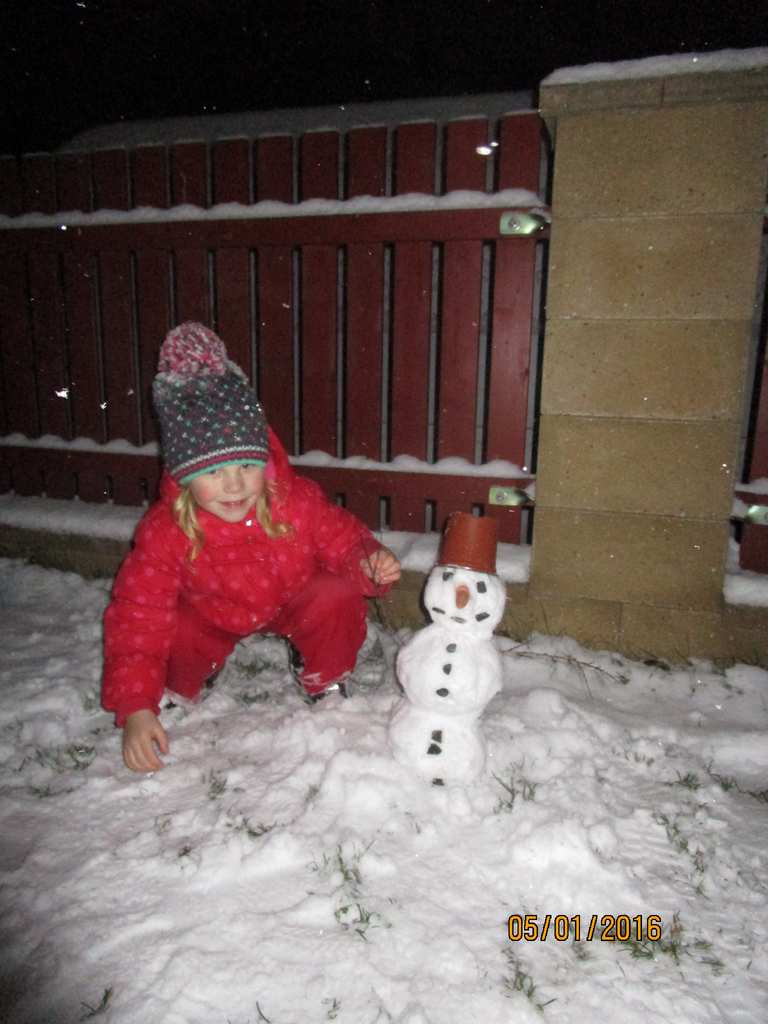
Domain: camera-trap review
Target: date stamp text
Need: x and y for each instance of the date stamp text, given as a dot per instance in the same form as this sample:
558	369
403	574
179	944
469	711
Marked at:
598	927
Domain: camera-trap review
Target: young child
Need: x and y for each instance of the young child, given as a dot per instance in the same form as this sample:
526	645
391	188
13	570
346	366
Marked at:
236	544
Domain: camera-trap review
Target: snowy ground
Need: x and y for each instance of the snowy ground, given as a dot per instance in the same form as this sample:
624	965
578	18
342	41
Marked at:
283	868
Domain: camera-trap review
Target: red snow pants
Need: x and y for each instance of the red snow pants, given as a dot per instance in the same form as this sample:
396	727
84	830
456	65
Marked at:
325	623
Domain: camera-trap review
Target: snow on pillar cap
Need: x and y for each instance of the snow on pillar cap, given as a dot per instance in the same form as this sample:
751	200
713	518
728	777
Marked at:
469	542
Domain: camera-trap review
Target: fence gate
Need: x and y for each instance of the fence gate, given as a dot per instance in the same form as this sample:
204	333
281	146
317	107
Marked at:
388	333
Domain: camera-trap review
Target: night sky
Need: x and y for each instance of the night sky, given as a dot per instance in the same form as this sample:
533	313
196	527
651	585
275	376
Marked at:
68	65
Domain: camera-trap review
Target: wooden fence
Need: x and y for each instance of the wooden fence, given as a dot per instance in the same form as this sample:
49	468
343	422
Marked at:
375	334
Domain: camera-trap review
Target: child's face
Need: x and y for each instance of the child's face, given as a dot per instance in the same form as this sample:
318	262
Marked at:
228	492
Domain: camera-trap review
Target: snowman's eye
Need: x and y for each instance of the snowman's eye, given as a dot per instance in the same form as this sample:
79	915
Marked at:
447	575
481	587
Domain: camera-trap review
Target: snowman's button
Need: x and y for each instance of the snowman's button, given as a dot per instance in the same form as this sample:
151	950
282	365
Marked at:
447	668
437	735
483	615
442	692
433	748
437	782
451	648
481	587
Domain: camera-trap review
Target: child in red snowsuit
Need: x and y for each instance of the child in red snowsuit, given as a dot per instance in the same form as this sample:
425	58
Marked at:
236	544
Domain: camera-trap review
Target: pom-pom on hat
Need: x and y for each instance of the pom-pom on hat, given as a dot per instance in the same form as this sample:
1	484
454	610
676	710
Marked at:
469	542
208	413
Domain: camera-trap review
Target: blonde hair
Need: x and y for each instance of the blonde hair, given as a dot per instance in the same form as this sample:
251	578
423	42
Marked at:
185	514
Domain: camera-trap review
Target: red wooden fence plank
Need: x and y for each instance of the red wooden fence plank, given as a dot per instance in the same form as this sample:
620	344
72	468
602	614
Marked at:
509	522
510	357
46	307
191	281
120	383
406	513
464	166
363	378
366	505
26	471
276	371
189	174
150	176
73	182
17	348
415	158
86	396
274	168
367	162
111	187
519	153
59	480
233	305
10	186
459	331
753	551
232	171
38	184
318	348
411	312
320	165
153	321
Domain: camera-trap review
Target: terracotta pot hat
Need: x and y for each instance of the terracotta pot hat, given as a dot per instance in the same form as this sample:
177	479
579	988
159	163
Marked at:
469	542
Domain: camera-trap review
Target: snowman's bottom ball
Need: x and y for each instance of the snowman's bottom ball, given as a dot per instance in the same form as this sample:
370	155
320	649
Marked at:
443	747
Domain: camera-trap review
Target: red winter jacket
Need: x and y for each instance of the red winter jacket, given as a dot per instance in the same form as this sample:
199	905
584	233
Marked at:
239	581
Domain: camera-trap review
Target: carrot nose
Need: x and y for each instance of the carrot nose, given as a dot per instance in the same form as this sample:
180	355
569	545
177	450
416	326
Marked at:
462	596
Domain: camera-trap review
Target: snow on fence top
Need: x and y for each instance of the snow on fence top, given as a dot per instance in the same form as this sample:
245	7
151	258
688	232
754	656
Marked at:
296	121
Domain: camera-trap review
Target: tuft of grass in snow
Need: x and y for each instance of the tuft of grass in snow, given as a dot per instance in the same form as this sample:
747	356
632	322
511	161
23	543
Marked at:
251	697
674	945
350	913
94	1011
252	831
217	784
365	919
334	1005
75	757
689	781
518	785
679	842
728	782
518	980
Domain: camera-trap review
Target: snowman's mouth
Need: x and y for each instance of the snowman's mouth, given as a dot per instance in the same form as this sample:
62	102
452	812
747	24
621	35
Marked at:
457	618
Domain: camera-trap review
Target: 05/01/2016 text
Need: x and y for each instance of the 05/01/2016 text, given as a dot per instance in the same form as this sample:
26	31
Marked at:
601	927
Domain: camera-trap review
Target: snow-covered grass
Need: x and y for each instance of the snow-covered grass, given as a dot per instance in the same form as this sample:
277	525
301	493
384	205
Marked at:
283	867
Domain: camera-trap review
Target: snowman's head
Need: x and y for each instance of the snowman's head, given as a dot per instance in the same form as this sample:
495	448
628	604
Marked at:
463	600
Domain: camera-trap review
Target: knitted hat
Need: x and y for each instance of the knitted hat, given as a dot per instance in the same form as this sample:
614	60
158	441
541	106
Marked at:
208	412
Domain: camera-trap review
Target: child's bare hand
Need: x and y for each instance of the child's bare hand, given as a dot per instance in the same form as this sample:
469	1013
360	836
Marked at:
382	567
141	734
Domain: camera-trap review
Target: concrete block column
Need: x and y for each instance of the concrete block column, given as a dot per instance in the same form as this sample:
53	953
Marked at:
658	204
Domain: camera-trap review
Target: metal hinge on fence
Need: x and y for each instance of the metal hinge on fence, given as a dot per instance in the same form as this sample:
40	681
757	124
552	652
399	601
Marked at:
511	496
520	222
757	514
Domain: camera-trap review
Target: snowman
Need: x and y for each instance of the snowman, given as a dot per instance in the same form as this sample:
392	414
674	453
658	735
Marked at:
451	669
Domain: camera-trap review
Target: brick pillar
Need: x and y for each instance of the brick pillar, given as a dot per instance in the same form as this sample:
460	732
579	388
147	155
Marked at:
659	195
